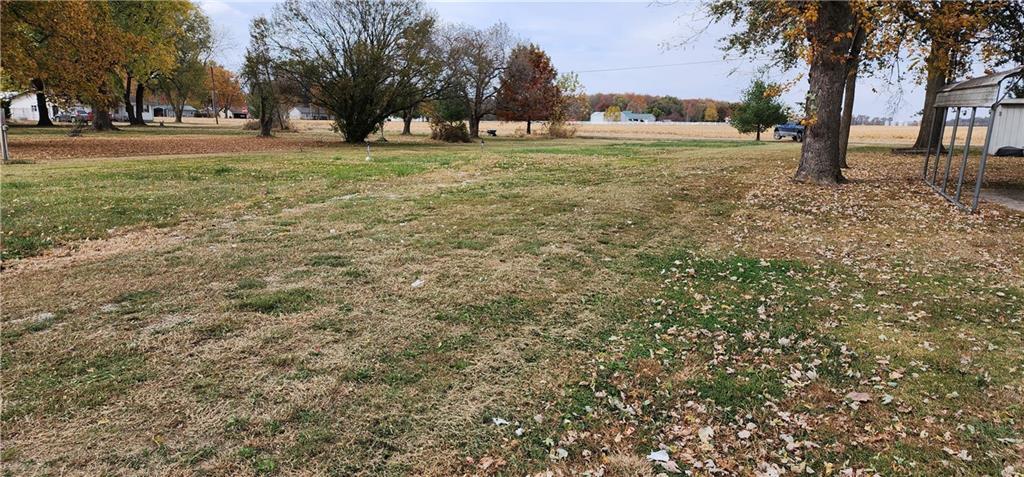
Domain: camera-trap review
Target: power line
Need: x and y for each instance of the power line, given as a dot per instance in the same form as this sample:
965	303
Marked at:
690	63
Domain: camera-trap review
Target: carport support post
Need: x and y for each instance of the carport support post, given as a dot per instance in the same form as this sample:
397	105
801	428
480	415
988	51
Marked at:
967	150
952	142
938	149
928	151
984	157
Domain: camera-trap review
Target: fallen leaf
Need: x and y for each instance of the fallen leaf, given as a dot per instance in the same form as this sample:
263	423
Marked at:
658	456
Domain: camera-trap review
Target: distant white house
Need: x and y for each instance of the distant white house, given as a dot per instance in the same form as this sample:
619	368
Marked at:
624	117
309	111
24	106
119	114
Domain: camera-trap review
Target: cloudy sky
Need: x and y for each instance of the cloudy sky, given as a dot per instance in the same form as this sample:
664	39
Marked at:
615	46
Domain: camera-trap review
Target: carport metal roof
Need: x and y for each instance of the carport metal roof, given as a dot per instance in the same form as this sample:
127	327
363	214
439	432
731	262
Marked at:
984	92
980	92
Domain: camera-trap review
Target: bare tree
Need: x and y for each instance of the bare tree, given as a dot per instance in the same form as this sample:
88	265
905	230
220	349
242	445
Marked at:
479	58
362	60
258	74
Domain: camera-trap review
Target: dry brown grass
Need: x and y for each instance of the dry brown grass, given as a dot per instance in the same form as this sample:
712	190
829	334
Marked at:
526	256
208	385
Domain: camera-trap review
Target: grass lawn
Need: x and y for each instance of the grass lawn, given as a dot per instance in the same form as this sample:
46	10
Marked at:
511	308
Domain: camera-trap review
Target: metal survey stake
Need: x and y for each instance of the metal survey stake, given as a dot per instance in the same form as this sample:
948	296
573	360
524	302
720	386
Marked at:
3	139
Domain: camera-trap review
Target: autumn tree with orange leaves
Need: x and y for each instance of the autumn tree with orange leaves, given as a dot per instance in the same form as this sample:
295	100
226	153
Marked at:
66	50
226	87
528	91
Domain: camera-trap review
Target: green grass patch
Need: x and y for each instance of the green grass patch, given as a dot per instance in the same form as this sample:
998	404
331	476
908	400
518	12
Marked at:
75	382
90	200
329	260
504	310
279	302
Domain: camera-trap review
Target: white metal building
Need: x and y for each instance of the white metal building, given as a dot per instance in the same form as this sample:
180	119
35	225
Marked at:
624	117
309	111
1008	125
24	107
119	114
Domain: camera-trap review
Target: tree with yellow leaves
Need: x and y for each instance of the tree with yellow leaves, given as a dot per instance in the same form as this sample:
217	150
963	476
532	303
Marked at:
613	114
186	79
710	111
148	52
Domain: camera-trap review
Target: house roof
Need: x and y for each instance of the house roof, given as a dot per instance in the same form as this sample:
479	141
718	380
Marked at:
630	114
14	94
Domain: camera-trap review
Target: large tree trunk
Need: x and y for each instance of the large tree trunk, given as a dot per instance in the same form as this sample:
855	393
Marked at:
266	118
44	112
474	126
931	123
140	93
101	119
178	111
758	138
357	135
528	126
407	123
852	65
129	111
819	158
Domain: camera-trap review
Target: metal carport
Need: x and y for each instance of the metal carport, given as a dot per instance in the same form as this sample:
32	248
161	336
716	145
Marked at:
991	92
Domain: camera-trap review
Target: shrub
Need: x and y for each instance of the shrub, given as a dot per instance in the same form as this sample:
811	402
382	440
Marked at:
561	129
446	131
280	123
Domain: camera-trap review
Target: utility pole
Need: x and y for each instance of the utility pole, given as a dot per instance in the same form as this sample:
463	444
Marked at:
213	93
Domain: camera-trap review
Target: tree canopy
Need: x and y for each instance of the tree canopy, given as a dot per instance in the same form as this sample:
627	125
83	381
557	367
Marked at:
259	75
70	47
478	58
362	60
187	79
528	91
147	51
225	85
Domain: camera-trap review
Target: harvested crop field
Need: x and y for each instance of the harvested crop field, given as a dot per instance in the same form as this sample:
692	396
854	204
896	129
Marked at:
543	307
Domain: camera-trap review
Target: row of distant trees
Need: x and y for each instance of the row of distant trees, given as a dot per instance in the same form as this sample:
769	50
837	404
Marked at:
110	54
367	60
668	108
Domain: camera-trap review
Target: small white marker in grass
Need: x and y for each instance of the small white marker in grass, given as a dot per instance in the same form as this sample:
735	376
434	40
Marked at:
367	151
